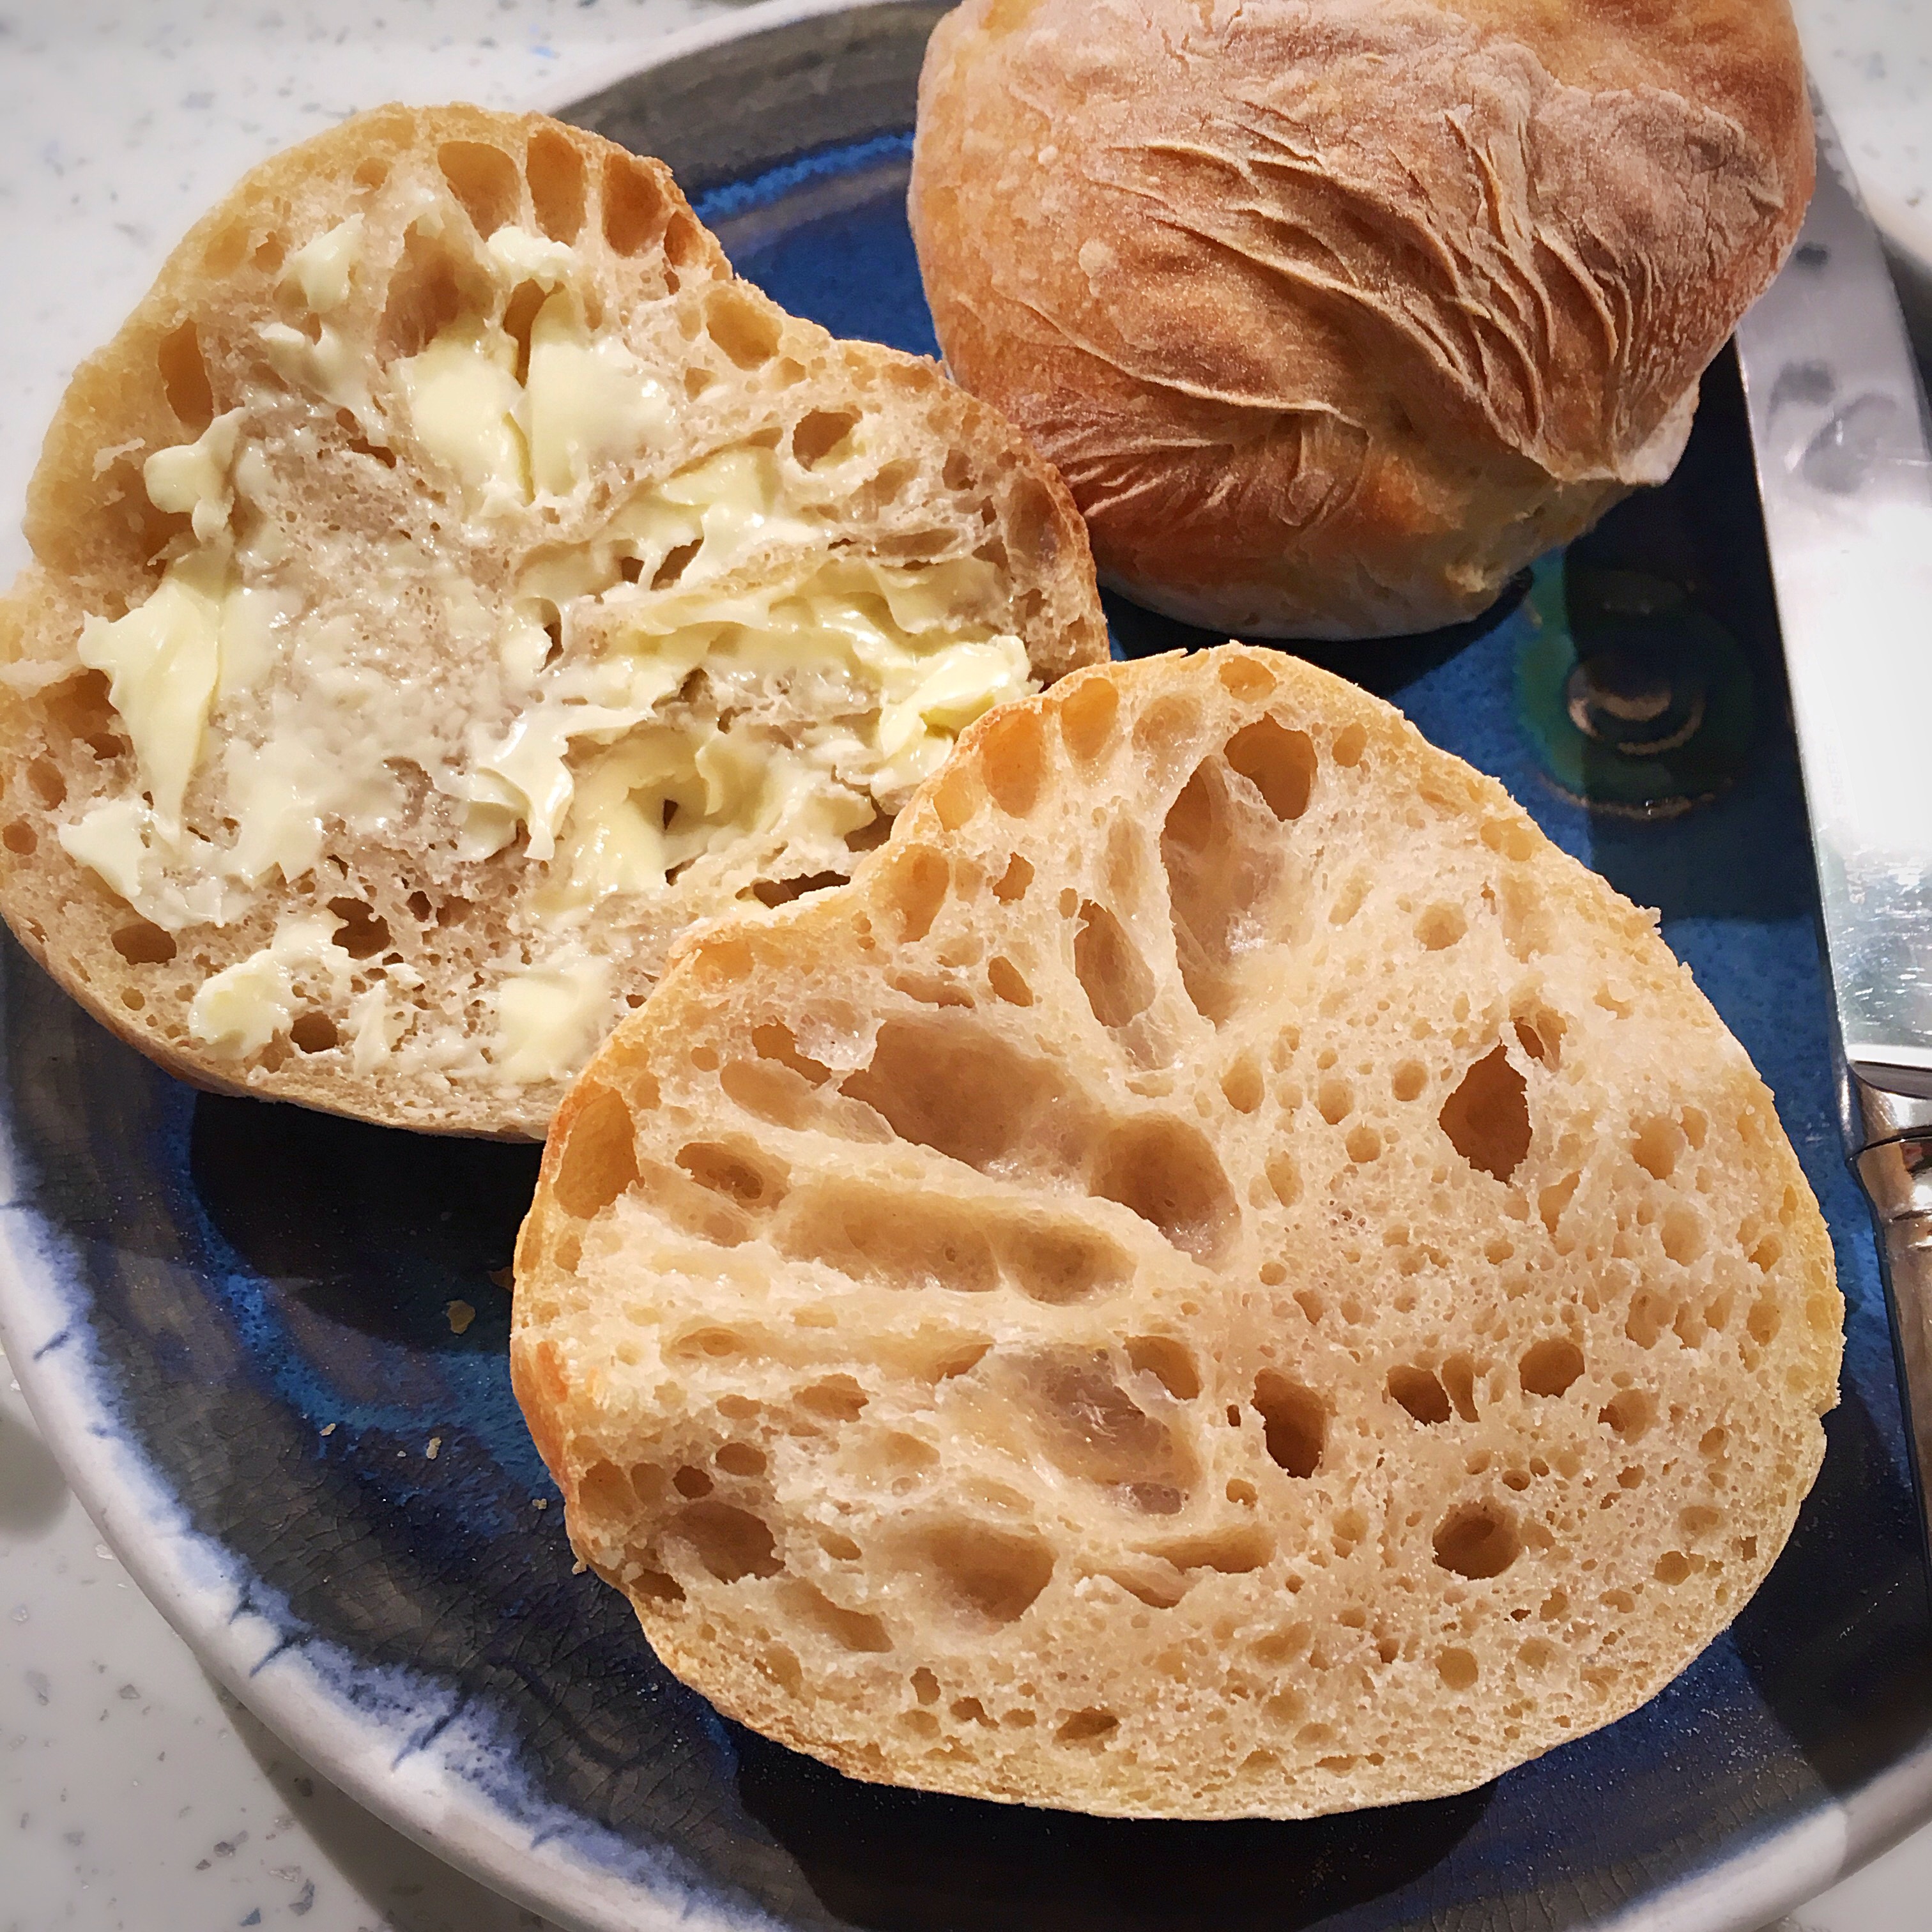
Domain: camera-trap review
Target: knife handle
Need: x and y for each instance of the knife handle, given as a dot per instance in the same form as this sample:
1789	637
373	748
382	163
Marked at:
1897	1176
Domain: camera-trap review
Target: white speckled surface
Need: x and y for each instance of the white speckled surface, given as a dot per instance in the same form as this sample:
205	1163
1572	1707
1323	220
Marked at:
133	1794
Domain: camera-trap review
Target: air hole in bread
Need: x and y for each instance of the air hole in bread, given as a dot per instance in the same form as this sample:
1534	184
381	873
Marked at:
1088	713
1550	1367
633	205
142	944
1682	1234
1237	1550
1540	1033
734	1172
1672	1567
1457	1668
313	1032
1458	1382
1013	883
837	1399
1219	851
1657	1146
1487	1117
1241	1083
185	378
1093	1430
46	783
1335	1098
1284	1178
485	180
1279	764
964	1091
692	1482
982	1578
916	1242
20	839
782	892
520	316
731	1542
1418	1391
741	1458
851	1630
1008	982
427	293
1169	1363
1439	927
1477	1540
742	326
554	170
1294	1420
1013	758
1349	744
818	434
598	1160
79	708
1058	1265
1408	1080
1108	965
362	933
1165	1171
914	882
772	1040
1091	1728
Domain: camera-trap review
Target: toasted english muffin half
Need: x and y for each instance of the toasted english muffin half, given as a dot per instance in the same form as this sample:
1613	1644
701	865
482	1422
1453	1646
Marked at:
450	583
1223	1275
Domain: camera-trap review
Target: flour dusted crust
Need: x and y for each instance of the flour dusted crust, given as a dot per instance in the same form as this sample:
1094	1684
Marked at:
1334	313
275	354
1222	1275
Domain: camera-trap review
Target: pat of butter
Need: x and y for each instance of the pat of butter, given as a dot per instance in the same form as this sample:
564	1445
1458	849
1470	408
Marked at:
111	838
374	1030
549	1018
322	268
463	398
586	400
162	660
192	478
331	366
520	256
241	1009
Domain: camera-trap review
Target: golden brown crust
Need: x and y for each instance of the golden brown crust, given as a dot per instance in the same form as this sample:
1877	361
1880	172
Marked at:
431	185
1222	1275
1336	313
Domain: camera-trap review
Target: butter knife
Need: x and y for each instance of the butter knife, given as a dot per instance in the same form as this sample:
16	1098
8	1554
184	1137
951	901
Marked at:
1839	429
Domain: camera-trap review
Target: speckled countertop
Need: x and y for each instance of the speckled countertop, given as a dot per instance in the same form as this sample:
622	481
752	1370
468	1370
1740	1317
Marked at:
133	1793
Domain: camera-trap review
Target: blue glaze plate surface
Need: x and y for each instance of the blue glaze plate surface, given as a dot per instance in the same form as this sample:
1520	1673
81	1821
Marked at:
238	1324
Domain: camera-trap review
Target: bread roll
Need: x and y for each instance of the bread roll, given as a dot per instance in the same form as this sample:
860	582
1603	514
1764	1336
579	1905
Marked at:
452	581
1222	1275
1334	313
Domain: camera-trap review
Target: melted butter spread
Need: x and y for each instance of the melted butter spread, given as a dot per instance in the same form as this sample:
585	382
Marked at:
708	681
238	1010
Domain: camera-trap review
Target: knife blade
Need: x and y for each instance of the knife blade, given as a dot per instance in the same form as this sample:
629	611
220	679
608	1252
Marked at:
1840	432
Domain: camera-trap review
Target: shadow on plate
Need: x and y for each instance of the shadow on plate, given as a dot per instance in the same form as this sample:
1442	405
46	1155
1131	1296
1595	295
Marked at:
891	1860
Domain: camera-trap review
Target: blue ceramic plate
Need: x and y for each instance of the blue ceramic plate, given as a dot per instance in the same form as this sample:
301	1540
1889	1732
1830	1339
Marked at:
240	1326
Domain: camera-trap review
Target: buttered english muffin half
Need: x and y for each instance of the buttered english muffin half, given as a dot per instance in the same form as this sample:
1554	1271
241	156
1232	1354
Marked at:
450	583
1222	1275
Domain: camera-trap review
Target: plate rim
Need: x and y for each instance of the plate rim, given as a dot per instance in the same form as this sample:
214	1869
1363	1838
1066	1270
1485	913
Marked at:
201	1587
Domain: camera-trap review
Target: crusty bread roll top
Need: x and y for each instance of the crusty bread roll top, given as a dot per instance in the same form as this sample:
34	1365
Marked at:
1334	313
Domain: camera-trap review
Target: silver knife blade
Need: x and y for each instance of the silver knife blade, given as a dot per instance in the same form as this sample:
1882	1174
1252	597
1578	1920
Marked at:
1839	428
1838	422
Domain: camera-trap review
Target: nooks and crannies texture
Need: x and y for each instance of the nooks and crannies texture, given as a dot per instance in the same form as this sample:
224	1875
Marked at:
450	582
1334	313
1223	1275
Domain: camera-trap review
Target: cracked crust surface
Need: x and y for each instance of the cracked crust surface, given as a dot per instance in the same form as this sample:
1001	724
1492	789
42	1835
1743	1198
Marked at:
1222	1275
1334	313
